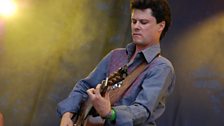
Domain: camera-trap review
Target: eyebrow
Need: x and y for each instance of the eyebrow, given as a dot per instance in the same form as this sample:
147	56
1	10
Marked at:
140	19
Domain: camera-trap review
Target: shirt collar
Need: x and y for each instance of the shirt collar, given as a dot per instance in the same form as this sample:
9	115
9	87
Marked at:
149	53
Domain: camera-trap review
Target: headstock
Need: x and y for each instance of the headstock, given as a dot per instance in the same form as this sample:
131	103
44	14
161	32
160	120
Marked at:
114	79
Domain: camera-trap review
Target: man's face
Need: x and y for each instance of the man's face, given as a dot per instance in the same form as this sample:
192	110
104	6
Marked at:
145	30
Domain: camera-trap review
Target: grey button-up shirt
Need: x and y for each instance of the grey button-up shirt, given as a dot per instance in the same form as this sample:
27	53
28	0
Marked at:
144	101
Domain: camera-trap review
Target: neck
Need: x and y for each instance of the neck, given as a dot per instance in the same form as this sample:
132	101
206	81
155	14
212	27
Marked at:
139	48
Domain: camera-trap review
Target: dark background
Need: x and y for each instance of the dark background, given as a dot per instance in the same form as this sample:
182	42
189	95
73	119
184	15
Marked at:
48	45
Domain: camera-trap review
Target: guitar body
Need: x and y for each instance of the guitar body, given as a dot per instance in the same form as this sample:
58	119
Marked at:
86	118
95	121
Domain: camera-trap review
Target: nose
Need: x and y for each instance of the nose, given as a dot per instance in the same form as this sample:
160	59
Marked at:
136	26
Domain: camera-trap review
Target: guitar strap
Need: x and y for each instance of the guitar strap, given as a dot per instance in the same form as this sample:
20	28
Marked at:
117	93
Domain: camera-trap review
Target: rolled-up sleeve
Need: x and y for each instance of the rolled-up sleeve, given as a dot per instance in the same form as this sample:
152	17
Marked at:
78	94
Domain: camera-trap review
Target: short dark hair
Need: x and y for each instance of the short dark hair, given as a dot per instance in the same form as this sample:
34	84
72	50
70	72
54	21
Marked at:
160	10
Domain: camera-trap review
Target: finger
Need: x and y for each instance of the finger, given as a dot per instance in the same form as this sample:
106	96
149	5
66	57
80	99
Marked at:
91	93
97	91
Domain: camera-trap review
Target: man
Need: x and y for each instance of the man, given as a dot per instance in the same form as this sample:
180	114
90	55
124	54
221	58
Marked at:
144	101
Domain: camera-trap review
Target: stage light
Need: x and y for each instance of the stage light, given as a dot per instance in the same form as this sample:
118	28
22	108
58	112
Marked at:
7	8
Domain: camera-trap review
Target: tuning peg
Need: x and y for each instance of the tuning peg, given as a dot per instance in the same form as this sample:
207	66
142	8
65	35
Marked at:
117	85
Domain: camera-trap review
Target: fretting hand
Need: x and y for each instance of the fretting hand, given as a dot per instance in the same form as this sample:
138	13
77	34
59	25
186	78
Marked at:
101	104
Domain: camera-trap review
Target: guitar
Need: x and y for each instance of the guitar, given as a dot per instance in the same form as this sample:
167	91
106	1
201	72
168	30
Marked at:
87	115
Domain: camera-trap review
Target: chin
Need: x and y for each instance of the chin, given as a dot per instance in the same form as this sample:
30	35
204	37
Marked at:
138	42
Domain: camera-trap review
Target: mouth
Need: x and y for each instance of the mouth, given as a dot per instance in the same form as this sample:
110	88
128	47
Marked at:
136	34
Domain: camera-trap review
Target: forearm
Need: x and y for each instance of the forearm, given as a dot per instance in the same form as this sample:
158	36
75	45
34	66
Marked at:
66	119
70	104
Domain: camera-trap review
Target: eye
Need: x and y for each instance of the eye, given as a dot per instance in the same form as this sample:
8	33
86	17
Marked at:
144	22
134	21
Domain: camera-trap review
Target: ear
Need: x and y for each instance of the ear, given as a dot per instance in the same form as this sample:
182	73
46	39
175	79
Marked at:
161	26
